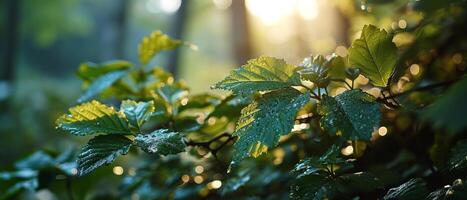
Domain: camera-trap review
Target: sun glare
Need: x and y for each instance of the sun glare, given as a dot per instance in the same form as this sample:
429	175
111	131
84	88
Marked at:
272	11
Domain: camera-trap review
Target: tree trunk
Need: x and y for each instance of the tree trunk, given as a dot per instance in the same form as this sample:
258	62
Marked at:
121	25
7	73
240	32
177	32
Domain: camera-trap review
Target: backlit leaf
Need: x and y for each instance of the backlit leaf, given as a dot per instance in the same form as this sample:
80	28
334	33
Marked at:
263	122
261	74
102	150
355	114
92	118
90	71
154	43
374	54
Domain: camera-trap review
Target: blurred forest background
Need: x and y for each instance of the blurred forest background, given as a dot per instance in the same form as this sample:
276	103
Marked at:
44	41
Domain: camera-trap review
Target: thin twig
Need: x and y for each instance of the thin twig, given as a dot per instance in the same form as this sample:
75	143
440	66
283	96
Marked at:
341	80
428	87
207	144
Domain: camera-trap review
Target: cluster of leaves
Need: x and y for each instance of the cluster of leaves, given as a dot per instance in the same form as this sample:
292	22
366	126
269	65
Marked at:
324	144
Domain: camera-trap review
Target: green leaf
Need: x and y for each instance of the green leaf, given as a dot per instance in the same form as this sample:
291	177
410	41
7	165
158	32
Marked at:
449	111
102	150
261	74
263	122
30	185
36	161
315	177
311	178
153	44
137	112
412	189
100	84
458	156
90	71
162	142
314	69
458	190
355	114
235	183
374	54
314	187
21	174
201	101
172	93
92	118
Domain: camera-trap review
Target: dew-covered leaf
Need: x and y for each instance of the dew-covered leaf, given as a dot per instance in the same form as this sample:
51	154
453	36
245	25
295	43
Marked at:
100	84
260	74
92	118
456	191
315	187
153	44
449	111
458	156
101	150
137	112
162	142
314	69
263	122
412	189
374	54
355	114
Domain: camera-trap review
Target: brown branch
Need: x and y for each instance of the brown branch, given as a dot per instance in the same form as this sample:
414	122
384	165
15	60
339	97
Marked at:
208	144
428	87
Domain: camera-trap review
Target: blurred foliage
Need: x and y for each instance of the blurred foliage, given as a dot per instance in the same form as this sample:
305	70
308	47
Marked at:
383	121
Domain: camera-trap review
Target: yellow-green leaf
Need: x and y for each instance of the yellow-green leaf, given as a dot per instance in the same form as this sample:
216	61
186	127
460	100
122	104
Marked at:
93	118
261	74
154	43
374	54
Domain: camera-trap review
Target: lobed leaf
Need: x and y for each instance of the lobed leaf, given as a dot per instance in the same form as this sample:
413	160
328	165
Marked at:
92	118
374	54
261	74
263	122
162	142
355	114
102	150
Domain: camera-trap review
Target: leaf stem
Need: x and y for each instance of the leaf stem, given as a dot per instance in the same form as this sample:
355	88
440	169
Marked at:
207	144
341	80
428	87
